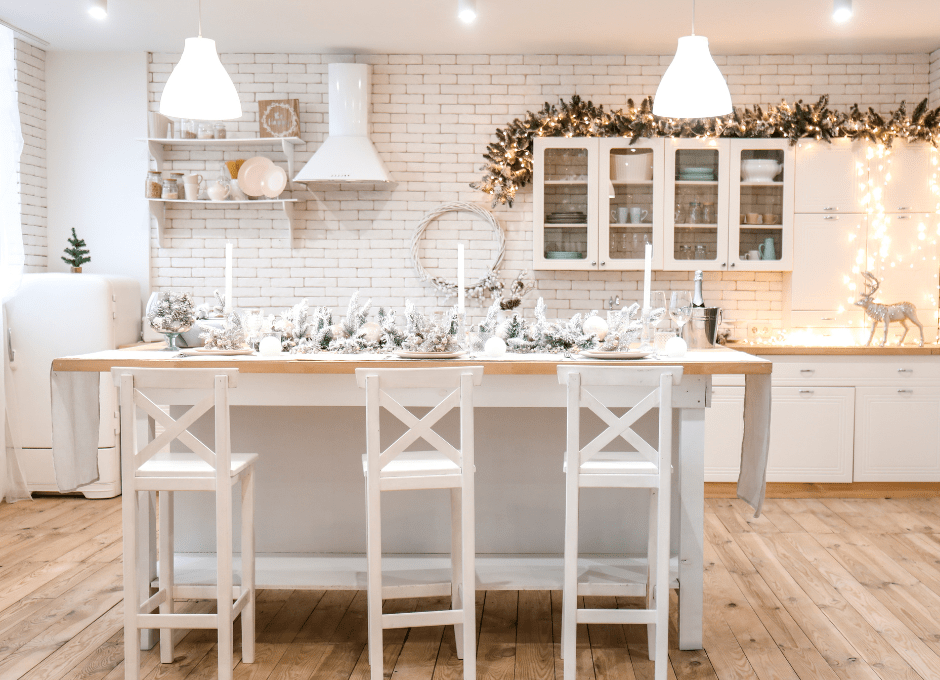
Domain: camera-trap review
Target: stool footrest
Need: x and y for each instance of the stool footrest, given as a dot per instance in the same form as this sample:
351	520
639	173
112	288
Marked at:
619	481
616	616
445	617
154	602
195	621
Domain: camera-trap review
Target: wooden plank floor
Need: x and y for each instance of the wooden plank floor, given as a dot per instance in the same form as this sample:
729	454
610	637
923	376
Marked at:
820	588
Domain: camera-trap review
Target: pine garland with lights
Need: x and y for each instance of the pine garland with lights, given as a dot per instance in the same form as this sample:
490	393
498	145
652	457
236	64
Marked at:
509	158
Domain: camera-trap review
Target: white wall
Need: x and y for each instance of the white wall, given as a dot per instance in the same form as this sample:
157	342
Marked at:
96	105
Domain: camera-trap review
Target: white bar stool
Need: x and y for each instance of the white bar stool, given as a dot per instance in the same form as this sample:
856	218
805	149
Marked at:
151	469
644	468
395	469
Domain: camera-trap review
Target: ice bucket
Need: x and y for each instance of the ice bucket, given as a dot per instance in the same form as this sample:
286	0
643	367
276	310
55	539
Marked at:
701	332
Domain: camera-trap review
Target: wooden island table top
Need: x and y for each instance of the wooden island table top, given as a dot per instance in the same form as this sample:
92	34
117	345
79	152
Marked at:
718	361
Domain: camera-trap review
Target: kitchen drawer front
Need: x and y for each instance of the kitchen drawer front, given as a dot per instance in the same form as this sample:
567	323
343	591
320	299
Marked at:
897	369
811	434
822	319
897	434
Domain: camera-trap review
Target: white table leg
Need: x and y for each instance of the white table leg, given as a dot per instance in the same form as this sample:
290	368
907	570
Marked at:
147	533
690	434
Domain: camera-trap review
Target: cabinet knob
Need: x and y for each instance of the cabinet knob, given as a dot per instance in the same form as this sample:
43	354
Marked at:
603	263
724	264
732	264
594	263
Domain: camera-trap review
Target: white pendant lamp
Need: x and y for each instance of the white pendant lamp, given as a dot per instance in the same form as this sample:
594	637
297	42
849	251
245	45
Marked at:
199	86
98	9
692	86
841	10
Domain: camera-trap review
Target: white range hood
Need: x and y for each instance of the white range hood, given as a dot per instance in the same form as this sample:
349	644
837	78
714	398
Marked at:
348	154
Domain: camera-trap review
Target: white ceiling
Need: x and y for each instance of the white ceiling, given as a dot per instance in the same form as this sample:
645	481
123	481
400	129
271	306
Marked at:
503	26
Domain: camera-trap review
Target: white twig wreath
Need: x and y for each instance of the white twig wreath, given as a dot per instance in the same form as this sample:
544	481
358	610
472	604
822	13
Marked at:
486	285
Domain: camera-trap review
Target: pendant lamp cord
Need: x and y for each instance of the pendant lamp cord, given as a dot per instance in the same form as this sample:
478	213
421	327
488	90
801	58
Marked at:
200	17
693	17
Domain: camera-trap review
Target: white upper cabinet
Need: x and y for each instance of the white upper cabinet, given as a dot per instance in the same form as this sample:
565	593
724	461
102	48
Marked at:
566	203
827	249
907	173
830	178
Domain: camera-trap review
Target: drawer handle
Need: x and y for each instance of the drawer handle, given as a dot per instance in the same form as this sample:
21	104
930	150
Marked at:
904	207
831	217
905	370
904	217
830	208
905	391
827	318
807	391
807	370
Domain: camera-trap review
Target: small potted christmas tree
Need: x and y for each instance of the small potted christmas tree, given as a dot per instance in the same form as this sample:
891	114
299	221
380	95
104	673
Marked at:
77	253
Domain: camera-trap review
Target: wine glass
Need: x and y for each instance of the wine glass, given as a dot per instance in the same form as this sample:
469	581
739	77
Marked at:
680	308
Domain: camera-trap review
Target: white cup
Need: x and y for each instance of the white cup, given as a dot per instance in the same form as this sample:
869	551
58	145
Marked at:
191	191
753	254
192	179
620	215
637	215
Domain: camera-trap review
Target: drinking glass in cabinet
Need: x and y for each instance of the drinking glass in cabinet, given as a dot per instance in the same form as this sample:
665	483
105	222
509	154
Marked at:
685	252
700	252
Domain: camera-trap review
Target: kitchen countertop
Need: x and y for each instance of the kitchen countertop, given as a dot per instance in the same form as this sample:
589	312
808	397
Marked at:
771	350
704	362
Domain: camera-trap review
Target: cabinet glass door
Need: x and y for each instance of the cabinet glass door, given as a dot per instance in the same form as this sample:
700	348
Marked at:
565	211
760	223
631	190
696	205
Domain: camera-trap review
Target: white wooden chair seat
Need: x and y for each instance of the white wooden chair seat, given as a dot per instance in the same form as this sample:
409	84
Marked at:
416	464
616	463
184	465
394	468
646	467
147	467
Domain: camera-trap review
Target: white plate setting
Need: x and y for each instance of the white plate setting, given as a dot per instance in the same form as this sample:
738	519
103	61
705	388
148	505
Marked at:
601	354
430	355
202	351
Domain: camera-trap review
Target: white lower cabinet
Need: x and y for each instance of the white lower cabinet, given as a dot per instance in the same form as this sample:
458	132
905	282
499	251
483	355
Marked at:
811	434
897	434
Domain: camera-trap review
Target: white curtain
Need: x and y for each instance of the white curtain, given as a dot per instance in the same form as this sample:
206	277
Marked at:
12	484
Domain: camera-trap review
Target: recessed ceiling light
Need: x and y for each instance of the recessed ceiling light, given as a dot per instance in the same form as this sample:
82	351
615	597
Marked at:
98	9
467	10
841	10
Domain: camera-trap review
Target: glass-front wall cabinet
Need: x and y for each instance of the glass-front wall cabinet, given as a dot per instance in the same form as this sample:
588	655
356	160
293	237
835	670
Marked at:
566	203
632	198
761	229
696	205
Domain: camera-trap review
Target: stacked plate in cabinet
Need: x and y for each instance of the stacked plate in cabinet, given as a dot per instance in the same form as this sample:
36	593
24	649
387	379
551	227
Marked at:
696	174
566	218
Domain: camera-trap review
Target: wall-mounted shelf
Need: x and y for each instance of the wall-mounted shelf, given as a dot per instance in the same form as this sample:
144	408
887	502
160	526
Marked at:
158	210
157	146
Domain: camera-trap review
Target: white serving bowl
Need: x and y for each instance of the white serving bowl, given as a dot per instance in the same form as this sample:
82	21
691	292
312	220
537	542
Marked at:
760	170
631	167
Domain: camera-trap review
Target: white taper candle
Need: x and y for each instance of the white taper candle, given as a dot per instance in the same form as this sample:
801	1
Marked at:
461	292
228	278
647	274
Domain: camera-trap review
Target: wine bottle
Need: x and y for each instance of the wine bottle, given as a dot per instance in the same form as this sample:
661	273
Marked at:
697	299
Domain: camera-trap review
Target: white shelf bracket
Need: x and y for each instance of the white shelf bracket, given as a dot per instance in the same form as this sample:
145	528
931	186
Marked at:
156	150
158	210
287	146
288	208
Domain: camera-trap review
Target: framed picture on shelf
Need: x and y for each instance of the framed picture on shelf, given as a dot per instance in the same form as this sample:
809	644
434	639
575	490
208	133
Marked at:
279	118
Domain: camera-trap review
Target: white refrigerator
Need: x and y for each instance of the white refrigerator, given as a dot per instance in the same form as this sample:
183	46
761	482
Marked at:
54	315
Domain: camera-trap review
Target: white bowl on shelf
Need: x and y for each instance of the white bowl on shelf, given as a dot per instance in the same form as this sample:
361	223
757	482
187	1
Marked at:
631	167
760	169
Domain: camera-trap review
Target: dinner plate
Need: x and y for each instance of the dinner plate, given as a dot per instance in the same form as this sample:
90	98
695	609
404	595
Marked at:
601	354
274	181
251	175
430	355
202	351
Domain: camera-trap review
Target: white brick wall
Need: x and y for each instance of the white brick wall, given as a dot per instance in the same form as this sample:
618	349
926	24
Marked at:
433	116
31	90
934	75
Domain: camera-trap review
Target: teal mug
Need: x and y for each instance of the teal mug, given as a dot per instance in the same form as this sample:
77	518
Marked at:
767	250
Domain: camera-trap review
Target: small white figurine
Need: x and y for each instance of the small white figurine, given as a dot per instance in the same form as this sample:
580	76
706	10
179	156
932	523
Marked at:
899	311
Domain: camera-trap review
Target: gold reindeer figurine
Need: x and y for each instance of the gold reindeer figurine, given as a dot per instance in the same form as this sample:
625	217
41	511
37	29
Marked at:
899	311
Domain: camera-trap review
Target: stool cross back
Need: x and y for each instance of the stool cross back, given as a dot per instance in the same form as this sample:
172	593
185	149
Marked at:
152	468
646	467
397	469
